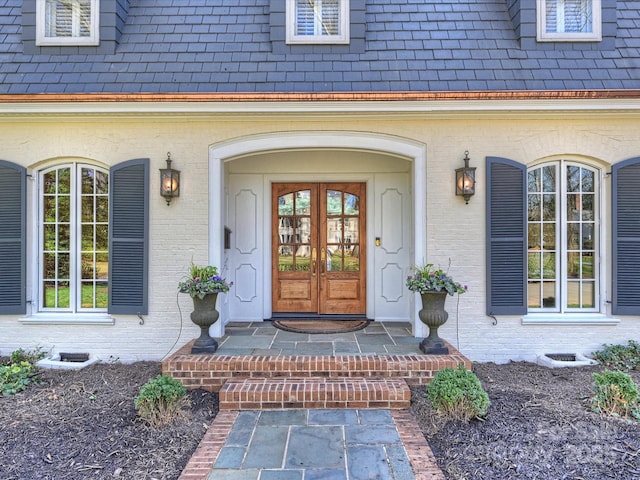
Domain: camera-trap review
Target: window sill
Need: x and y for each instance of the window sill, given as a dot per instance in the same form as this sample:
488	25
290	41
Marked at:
68	319
568	319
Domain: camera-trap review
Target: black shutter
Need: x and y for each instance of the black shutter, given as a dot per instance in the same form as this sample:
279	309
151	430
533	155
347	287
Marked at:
506	237
626	237
128	237
13	211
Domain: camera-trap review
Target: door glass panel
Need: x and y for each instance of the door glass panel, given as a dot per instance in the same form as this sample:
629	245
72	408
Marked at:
352	259
334	230
351	204
285	204
334	202
285	259
303	202
334	259
351	231
303	230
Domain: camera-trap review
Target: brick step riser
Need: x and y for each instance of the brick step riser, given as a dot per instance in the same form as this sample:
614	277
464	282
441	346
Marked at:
279	393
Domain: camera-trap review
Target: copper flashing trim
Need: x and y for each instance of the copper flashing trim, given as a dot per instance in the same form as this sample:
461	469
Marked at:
321	97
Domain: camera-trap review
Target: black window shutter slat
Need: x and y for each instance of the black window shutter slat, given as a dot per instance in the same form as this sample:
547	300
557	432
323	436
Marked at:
128	237
626	238
506	237
13	212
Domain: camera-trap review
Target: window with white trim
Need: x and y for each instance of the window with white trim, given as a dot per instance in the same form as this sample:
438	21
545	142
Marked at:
317	21
67	22
569	20
562	238
74	238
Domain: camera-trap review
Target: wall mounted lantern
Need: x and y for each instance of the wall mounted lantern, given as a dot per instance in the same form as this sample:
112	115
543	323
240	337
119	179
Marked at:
169	181
466	179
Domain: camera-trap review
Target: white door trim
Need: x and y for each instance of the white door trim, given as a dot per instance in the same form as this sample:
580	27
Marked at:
226	151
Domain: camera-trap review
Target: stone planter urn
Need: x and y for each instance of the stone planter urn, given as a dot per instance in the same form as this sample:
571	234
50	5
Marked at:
433	315
204	315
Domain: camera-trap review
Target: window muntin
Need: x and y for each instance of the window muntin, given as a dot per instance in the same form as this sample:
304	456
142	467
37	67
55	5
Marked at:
67	22
569	20
562	243
74	232
317	21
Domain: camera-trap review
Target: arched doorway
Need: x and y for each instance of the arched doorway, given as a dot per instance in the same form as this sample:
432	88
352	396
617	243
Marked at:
241	172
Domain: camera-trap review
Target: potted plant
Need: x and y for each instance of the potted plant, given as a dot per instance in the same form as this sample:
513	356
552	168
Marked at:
204	284
433	285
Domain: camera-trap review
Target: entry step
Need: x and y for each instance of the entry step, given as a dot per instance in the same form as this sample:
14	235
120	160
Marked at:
292	392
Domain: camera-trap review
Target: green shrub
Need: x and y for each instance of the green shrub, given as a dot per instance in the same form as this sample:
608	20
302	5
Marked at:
30	356
615	393
620	357
15	377
161	400
458	394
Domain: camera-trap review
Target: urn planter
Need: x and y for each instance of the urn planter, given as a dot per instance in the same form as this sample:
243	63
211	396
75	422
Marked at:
433	315
204	315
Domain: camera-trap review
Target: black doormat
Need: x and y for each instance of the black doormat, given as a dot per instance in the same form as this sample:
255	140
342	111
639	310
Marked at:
319	325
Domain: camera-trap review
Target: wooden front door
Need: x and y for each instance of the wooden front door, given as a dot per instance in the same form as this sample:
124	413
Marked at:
318	248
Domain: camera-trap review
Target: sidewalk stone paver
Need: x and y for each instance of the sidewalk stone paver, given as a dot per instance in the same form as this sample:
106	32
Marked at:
303	444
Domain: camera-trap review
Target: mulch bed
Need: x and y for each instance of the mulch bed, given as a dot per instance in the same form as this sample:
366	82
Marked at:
83	425
539	426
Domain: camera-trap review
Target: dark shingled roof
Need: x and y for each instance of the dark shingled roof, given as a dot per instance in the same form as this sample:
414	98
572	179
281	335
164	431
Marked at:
184	46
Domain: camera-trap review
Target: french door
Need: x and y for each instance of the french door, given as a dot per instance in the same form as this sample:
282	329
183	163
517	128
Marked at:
318	248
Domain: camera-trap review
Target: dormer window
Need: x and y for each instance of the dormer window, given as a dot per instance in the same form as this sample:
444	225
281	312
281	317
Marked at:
67	22
318	21
569	20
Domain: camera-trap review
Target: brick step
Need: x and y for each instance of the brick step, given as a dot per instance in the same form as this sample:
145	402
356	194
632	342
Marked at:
292	392
211	371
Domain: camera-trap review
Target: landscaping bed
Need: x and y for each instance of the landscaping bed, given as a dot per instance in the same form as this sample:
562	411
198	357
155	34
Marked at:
81	424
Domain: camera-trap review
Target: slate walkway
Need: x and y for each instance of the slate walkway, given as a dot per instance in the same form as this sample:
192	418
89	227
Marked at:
313	445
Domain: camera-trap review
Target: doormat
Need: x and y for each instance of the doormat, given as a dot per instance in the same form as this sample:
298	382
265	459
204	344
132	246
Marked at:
319	326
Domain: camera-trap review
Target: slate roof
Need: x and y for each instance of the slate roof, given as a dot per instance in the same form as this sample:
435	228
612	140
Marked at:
182	46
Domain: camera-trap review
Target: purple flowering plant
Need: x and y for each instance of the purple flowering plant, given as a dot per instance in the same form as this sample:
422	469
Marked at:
429	279
202	281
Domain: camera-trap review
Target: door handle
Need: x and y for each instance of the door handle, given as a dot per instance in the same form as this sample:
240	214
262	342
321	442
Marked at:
314	255
323	257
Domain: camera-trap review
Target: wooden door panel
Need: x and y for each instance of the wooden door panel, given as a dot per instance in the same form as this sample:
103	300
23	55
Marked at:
295	290
342	234
294	276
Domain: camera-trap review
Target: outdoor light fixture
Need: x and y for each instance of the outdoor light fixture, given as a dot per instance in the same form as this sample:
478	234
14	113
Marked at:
466	179
169	181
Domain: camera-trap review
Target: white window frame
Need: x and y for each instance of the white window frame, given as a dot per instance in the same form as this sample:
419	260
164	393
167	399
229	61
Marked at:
43	40
594	35
75	249
562	280
343	26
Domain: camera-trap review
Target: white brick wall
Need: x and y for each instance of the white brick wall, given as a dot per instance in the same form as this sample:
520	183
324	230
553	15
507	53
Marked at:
179	232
